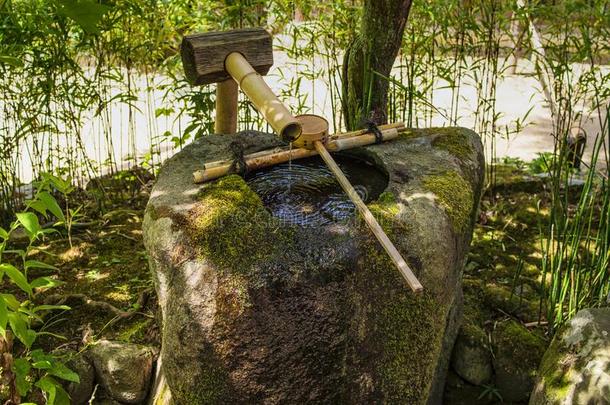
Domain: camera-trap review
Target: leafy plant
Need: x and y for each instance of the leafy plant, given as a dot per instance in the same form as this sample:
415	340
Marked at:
25	366
490	392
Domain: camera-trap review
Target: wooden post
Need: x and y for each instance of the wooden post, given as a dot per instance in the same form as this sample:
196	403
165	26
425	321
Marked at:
370	220
226	108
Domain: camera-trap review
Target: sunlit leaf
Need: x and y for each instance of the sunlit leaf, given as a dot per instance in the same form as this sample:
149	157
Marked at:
16	277
51	204
20	328
11	301
38	265
85	13
11	60
30	222
38	206
3	317
50	307
45	282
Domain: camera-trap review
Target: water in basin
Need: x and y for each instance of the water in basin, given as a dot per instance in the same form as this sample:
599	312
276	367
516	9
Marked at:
304	192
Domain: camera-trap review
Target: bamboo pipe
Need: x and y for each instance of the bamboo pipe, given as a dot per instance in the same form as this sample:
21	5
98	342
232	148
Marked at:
381	236
226	107
214	170
252	84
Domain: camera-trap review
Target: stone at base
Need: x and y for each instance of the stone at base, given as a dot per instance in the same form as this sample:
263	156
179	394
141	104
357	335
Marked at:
517	353
471	357
576	367
123	370
80	393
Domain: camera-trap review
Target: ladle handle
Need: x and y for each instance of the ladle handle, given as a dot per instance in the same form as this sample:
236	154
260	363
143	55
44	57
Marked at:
381	236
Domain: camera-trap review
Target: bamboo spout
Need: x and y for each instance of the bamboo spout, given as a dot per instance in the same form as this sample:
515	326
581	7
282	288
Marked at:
252	84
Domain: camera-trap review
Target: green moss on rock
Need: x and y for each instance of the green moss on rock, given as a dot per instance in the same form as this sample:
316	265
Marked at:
455	196
519	344
517	353
404	331
231	228
454	142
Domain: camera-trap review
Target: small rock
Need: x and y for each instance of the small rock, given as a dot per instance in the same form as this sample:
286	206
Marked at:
123	369
80	393
576	367
471	358
517	355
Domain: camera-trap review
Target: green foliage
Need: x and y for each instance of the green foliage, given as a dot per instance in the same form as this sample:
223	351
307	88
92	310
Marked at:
86	13
19	313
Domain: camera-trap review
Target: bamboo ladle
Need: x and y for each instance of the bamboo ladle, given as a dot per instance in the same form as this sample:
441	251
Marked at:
314	131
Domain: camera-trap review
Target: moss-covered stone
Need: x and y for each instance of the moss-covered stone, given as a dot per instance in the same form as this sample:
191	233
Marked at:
404	331
517	353
576	367
456	143
255	312
472	355
228	220
455	196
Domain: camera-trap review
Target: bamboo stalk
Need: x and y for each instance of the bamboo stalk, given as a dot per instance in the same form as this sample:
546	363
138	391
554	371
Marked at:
370	220
214	170
251	83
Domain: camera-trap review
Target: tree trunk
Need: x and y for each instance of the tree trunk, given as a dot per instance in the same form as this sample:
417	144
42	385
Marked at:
371	54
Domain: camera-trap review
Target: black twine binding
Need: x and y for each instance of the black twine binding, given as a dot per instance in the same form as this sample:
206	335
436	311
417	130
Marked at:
372	127
238	165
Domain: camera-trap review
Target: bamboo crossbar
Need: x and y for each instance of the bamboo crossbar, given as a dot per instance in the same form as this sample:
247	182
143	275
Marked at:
266	158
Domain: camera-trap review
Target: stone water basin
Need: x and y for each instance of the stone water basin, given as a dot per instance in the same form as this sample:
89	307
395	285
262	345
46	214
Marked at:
259	311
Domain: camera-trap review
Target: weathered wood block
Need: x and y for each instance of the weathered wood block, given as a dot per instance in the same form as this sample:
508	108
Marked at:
203	55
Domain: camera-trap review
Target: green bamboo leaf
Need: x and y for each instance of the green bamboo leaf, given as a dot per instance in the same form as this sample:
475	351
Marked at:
45	282
50	307
30	222
55	393
11	60
16	277
60	370
38	265
21	368
3	233
51	204
20	328
11	301
38	206
3	317
42	365
85	13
